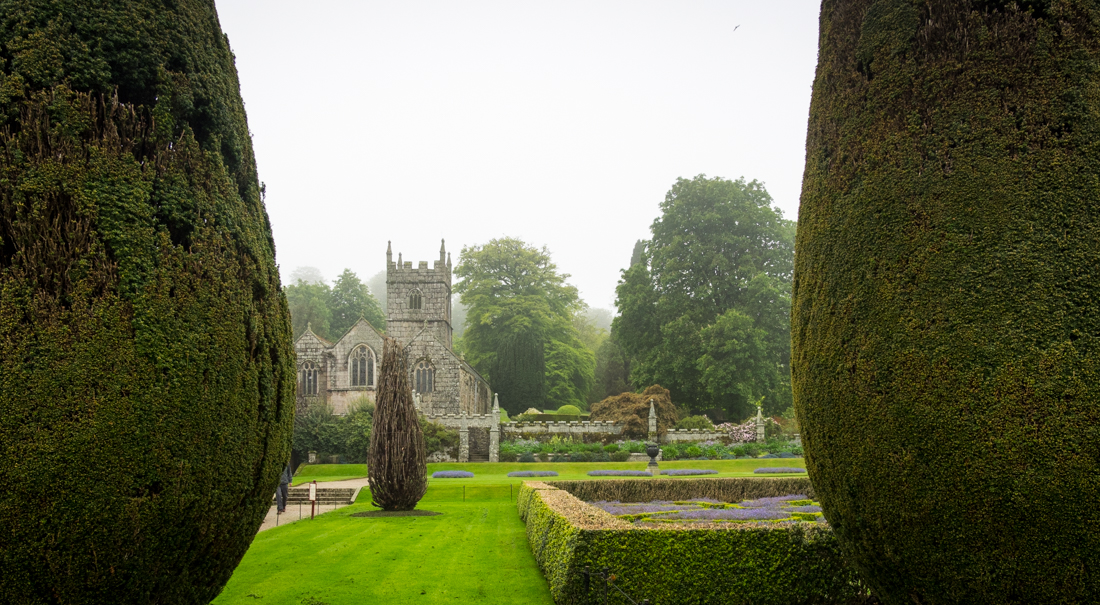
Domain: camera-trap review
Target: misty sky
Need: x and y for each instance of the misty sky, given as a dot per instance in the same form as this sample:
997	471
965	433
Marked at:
561	123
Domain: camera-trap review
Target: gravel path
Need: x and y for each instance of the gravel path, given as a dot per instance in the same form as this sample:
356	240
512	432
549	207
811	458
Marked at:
293	513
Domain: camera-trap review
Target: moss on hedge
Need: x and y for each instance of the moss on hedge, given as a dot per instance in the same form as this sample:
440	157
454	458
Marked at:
746	564
145	361
945	320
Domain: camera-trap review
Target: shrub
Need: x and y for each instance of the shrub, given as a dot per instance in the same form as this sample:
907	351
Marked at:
145	345
611	448
569	410
969	360
800	563
729	489
581	457
619	474
752	450
533	474
670	452
632	409
452	475
438	438
677	472
778	469
513	457
635	447
620	456
693	451
529	457
695	422
543	456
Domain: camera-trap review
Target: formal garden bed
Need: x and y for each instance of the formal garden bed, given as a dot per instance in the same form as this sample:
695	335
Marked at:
778	551
563	450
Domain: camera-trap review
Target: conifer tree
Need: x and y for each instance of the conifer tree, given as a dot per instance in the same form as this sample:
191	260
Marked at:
397	465
146	373
945	330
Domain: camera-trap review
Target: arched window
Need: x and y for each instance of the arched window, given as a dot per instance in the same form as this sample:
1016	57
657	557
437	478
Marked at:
307	379
362	366
416	300
425	377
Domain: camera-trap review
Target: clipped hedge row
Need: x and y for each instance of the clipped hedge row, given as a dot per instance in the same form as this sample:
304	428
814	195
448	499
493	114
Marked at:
731	489
744	564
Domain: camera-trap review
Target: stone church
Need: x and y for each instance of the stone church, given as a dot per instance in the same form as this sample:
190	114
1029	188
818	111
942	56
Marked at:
418	315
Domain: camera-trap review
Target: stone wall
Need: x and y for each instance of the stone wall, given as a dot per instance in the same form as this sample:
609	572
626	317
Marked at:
693	436
582	431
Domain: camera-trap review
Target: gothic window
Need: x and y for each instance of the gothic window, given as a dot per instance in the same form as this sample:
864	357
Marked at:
307	380
362	363
416	300
425	377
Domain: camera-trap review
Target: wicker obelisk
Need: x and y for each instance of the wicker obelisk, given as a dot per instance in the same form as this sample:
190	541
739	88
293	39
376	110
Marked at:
397	463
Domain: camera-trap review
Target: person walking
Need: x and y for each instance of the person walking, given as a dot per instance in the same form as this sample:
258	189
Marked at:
284	489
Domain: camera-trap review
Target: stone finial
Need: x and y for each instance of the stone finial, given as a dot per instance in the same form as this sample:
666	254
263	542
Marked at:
496	401
389	253
652	409
399	263
442	250
652	421
448	260
309	326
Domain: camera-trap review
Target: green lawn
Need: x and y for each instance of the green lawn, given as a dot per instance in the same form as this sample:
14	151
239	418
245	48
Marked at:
496	473
475	552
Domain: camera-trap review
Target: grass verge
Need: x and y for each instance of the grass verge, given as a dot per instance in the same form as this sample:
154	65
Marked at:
476	551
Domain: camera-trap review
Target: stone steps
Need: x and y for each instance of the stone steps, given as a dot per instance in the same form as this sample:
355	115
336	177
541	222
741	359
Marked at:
475	457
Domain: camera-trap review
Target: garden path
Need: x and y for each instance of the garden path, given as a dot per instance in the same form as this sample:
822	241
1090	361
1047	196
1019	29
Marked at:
293	513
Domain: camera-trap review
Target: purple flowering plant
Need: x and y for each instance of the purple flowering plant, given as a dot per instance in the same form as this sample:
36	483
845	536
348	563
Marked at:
779	469
619	474
452	475
687	471
533	474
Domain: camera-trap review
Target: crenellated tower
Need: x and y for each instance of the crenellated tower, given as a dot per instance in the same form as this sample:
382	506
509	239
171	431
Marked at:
418	300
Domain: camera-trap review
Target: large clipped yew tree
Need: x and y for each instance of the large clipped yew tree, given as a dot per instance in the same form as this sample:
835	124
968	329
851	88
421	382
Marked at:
146	374
946	309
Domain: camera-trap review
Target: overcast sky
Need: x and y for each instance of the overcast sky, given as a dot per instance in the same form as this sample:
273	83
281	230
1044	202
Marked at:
560	123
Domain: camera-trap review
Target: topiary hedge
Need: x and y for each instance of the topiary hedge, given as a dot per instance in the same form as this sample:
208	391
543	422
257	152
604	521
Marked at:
146	371
788	564
729	489
945	324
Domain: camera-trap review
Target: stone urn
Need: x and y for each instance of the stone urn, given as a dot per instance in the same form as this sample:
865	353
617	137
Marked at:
653	450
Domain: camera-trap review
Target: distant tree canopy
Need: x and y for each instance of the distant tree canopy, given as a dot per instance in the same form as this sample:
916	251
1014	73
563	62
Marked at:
705	311
332	311
520	330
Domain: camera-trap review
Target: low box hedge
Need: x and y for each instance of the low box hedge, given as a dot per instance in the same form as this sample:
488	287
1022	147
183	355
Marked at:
730	489
737	563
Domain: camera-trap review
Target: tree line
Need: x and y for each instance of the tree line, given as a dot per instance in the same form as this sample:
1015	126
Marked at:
702	309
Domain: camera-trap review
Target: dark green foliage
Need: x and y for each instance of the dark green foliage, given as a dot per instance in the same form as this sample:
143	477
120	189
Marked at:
526	457
147	376
632	409
396	467
317	429
800	564
946	325
705	311
520	328
619	456
438	438
612	370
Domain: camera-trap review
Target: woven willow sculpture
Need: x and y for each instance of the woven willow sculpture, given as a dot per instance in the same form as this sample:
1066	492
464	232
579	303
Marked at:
397	464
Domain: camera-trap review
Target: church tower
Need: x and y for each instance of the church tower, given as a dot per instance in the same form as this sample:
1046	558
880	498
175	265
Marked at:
418	301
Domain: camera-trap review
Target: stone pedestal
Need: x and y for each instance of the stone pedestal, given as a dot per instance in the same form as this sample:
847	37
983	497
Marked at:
494	432
652	422
463	440
653	469
760	425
